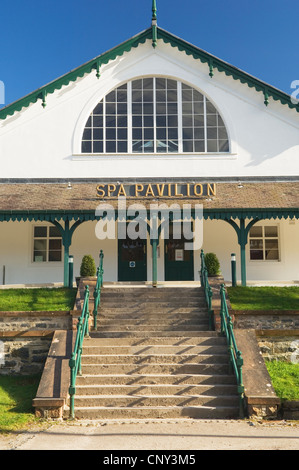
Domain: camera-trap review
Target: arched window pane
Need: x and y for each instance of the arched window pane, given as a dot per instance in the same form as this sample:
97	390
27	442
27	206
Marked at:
143	116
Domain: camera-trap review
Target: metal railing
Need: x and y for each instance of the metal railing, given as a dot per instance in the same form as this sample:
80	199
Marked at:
75	361
97	290
82	332
204	280
236	361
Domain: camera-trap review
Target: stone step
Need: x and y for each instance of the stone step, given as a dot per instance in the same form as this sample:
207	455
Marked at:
162	379
154	292
137	350
163	413
140	390
118	401
153	368
149	312
124	322
158	297
147	307
149	333
206	338
135	327
141	359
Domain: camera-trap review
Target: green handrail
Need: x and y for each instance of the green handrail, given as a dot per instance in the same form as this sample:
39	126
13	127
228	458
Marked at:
236	361
75	361
207	289
97	290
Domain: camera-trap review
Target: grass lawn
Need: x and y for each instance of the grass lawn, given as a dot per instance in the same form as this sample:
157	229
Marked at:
37	299
285	379
16	395
264	298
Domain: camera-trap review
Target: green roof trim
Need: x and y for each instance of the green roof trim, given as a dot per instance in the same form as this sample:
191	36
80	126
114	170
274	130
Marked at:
214	63
90	215
94	65
73	75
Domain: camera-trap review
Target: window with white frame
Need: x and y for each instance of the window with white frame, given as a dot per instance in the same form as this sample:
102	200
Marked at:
264	243
155	115
47	244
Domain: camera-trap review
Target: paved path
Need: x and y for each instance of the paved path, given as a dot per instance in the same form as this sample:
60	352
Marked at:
173	435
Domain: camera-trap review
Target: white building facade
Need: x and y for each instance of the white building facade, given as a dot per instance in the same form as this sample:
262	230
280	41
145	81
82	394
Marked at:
158	121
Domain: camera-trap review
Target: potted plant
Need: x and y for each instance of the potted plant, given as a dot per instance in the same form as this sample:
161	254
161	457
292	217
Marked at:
212	264
87	268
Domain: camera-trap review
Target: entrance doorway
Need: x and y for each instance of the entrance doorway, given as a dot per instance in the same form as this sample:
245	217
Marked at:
179	264
132	260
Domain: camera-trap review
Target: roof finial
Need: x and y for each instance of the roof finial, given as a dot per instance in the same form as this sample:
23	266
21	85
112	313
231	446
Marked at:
154	23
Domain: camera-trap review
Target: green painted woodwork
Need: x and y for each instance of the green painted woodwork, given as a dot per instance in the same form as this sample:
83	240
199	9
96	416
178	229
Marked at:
178	262
132	260
153	33
66	234
75	360
98	289
236	361
154	24
154	262
86	215
242	233
155	242
204	281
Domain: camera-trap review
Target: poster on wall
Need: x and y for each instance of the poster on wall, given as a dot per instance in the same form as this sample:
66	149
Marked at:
179	255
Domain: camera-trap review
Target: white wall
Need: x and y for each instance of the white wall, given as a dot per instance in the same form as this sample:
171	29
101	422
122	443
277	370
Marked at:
45	143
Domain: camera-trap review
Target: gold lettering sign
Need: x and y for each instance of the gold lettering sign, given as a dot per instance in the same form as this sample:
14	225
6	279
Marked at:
156	190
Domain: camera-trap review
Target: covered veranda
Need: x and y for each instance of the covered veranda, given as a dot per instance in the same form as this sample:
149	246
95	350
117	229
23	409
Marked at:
67	205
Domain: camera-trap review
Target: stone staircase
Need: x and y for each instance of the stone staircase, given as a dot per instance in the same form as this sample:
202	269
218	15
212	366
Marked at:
153	357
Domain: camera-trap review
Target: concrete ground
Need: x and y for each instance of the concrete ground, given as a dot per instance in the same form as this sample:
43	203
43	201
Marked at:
154	436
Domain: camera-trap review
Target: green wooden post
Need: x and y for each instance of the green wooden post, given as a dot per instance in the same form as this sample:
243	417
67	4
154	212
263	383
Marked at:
66	235
66	241
154	261
243	233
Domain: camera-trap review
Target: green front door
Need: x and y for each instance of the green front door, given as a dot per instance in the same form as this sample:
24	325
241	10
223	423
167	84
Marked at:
132	260
178	261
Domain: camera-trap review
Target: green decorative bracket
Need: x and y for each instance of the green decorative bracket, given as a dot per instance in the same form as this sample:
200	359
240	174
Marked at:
211	68
66	235
266	95
44	94
98	74
242	232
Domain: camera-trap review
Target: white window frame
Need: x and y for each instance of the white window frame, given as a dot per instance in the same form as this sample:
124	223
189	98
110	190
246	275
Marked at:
180	127
263	237
47	238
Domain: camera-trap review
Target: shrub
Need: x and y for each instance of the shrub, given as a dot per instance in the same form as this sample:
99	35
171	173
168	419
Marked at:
212	264
88	266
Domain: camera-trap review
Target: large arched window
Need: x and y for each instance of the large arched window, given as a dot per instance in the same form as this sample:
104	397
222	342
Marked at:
155	115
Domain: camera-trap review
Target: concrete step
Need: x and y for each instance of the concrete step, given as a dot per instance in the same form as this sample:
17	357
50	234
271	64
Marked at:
135	327
159	350
152	379
160	359
163	413
154	368
148	333
150	312
206	338
155	401
140	390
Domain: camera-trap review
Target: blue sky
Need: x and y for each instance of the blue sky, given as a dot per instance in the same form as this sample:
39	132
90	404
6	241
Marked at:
42	40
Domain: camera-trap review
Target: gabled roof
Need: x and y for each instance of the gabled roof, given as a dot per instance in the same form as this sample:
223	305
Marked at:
94	65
